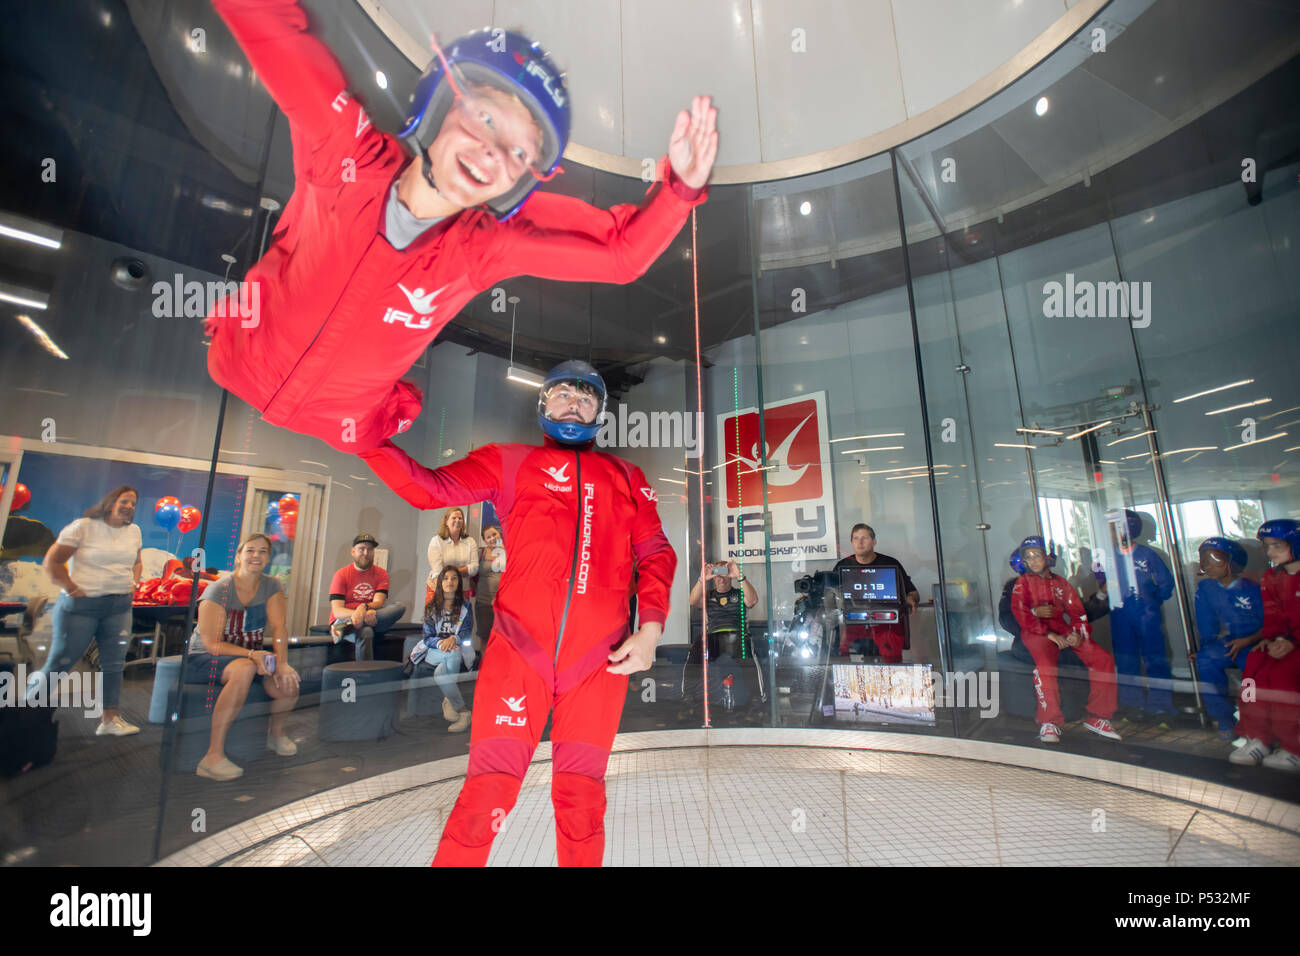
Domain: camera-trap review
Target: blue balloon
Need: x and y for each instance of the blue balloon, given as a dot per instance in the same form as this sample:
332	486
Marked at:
169	516
273	509
273	524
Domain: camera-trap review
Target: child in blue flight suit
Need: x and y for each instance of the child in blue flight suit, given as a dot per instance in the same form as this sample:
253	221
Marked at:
1137	628
1229	615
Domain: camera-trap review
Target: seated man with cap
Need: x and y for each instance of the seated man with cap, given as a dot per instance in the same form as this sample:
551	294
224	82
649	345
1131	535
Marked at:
358	599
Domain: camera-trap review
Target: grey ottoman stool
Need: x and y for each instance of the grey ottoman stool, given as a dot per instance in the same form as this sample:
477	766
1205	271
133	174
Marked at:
359	700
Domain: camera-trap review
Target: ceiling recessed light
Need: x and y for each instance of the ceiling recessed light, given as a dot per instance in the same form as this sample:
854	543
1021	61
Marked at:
381	79
1041	106
805	208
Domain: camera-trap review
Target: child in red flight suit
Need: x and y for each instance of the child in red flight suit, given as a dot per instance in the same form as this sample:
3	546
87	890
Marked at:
386	238
1269	701
1052	618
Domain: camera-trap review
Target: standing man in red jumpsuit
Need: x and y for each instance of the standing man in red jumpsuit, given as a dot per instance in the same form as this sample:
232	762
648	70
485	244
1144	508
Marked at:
579	524
386	238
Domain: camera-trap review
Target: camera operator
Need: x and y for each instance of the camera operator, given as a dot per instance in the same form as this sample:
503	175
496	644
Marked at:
723	619
888	638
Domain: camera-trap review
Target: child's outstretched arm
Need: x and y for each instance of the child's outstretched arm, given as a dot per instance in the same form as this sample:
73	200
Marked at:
559	237
297	69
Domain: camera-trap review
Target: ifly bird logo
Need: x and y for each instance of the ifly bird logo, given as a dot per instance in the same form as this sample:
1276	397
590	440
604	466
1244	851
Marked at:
794	469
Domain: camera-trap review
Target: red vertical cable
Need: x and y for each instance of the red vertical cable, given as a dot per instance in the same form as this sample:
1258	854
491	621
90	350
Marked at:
699	405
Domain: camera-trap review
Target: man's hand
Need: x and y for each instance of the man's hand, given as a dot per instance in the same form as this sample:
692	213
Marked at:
359	616
1057	639
370	617
733	570
637	653
1074	639
913	602
694	143
1044	610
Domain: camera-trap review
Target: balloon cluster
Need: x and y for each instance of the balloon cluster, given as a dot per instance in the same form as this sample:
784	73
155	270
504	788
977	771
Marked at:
282	518
169	513
21	497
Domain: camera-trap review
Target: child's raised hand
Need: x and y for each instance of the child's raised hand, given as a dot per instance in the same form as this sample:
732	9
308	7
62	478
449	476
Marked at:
694	143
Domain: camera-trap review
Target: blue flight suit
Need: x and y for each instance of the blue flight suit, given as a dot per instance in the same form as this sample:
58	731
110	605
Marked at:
1224	614
1137	630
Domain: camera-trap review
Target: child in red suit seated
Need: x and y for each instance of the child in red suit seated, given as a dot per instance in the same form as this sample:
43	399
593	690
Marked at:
1052	618
1269	701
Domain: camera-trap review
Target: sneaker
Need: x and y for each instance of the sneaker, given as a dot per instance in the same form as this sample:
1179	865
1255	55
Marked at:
222	770
1049	734
281	745
1283	760
1101	726
117	727
1250	753
341	629
460	725
449	712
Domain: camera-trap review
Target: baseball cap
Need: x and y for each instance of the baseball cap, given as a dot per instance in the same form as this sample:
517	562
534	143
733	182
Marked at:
364	538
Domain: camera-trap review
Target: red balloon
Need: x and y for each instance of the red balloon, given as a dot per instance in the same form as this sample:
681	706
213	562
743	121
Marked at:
288	503
21	497
169	500
289	523
190	518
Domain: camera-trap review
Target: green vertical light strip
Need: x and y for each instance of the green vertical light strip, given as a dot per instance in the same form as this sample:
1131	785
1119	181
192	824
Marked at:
740	525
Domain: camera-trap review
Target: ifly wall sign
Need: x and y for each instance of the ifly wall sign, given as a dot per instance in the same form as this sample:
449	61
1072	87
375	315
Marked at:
799	492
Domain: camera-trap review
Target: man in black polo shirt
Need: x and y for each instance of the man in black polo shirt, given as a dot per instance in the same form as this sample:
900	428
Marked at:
889	638
724	596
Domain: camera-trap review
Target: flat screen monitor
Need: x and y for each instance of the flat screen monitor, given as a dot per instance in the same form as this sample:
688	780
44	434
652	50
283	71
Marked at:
884	693
867	585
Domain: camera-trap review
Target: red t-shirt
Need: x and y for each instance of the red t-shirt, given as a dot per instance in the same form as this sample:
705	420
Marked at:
356	587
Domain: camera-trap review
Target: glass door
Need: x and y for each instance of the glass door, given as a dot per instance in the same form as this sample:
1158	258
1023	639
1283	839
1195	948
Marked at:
290	513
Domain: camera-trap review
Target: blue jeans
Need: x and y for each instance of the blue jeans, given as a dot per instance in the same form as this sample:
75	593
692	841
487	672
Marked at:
385	617
445	665
1212	661
78	621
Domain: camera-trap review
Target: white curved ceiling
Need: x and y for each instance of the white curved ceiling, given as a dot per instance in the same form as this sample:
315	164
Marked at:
778	70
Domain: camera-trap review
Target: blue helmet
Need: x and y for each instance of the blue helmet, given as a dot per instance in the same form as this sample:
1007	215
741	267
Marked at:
1017	561
1235	552
576	372
1131	520
1288	529
505	61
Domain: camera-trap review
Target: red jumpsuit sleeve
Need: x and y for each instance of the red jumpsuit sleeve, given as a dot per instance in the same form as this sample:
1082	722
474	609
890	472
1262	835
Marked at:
559	237
476	477
656	561
1074	607
303	78
1021	605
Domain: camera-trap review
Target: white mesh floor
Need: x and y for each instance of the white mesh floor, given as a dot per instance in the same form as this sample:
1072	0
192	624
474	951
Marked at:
795	806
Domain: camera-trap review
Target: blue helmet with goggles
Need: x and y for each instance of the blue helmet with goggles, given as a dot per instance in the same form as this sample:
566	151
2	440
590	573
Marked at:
1034	541
583	377
1236	553
504	61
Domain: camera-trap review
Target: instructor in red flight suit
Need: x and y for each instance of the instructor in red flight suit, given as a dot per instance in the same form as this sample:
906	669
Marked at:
579	523
386	238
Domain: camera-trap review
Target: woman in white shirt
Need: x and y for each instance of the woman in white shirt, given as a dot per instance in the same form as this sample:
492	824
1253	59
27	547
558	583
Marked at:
95	604
452	548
